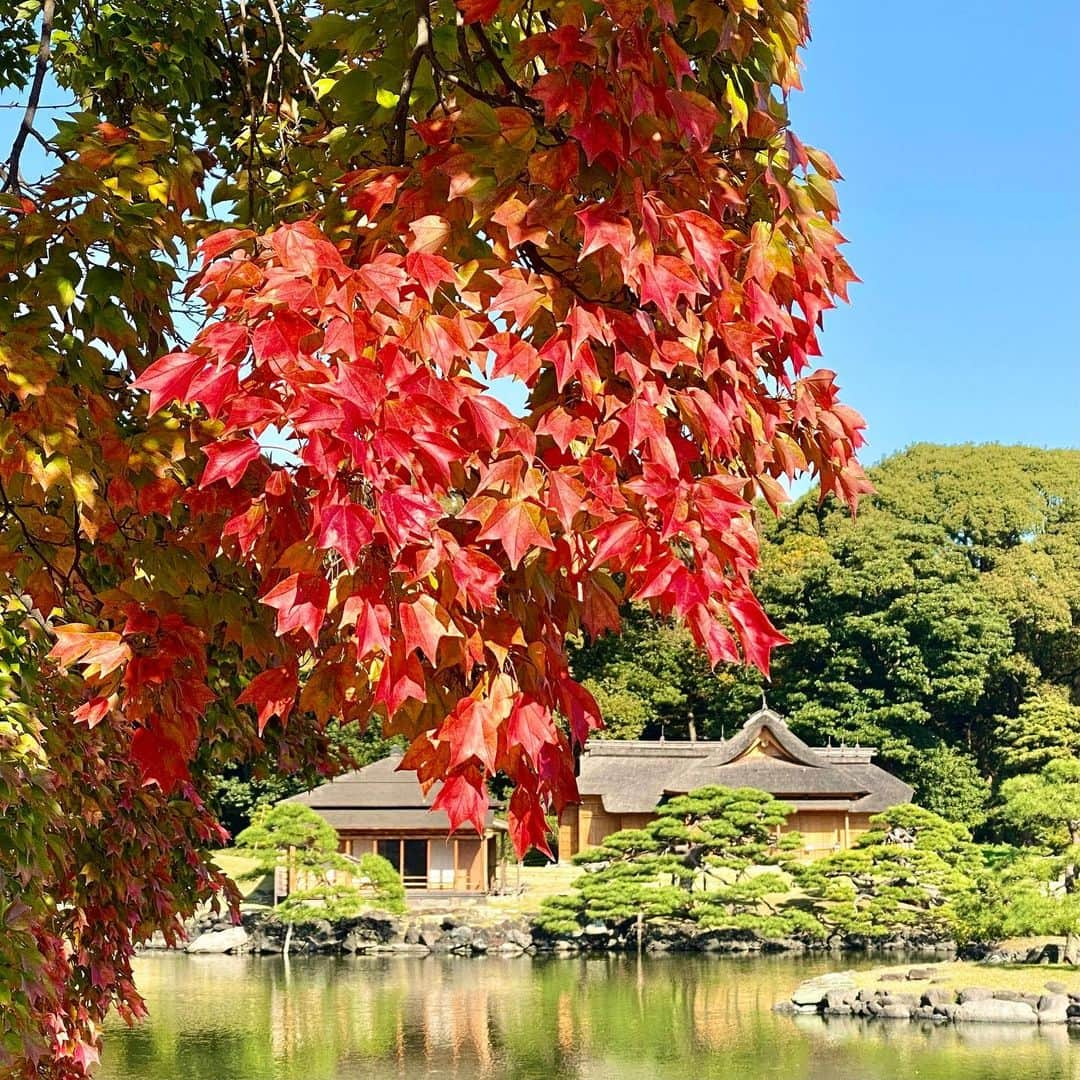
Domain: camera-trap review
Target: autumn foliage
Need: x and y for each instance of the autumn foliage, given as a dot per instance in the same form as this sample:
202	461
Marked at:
319	500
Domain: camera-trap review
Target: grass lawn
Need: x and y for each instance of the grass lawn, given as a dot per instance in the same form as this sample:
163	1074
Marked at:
236	865
957	974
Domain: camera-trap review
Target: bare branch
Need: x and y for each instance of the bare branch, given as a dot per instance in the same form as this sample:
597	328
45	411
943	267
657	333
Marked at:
422	46
48	11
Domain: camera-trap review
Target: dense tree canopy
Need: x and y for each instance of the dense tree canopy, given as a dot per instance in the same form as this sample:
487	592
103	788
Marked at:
942	626
243	502
1043	888
914	871
711	855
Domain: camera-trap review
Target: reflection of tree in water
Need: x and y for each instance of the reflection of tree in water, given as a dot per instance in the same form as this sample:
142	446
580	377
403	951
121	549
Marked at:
226	1018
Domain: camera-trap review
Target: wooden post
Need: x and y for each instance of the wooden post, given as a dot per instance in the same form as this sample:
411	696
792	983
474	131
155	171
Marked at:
640	931
484	863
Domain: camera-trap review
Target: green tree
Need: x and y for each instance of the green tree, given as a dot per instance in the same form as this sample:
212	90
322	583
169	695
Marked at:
652	680
914	871
1046	727
893	644
1044	809
948	782
295	838
711	856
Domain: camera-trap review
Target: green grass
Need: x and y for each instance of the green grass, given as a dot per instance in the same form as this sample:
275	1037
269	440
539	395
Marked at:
957	974
237	866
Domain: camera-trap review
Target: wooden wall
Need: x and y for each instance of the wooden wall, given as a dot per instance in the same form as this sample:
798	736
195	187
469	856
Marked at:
588	824
475	858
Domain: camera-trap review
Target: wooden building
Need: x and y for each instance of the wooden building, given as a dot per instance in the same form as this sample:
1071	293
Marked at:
834	789
382	811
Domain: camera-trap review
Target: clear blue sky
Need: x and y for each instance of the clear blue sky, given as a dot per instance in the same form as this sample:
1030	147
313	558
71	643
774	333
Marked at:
957	127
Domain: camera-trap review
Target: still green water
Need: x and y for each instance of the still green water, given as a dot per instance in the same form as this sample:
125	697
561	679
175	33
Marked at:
246	1018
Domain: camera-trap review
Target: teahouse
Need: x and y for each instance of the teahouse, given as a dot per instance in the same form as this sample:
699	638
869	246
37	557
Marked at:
379	810
834	790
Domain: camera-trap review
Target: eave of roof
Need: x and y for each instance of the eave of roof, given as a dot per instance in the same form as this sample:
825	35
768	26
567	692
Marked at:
763	719
631	777
392	821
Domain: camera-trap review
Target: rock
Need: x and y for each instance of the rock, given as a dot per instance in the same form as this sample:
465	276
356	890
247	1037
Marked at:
815	991
836	999
896	1010
405	948
412	935
519	937
937	995
785	1008
1053	1009
892	976
359	940
462	935
909	1001
232	940
921	973
597	929
510	948
1055	987
974	993
995	1011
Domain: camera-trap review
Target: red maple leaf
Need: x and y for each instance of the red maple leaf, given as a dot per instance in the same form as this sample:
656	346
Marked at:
228	460
169	378
463	798
300	601
273	693
518	527
345	528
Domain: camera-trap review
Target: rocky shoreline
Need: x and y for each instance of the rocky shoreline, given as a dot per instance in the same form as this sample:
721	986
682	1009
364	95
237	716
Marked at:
837	995
465	935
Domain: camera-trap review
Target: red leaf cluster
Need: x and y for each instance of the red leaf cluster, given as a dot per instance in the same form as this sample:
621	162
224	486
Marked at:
656	286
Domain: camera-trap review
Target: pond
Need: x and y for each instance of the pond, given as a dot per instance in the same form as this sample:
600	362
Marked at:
321	1018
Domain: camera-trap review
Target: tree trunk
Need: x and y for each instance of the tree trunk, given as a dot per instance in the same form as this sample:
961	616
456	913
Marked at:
1072	948
288	940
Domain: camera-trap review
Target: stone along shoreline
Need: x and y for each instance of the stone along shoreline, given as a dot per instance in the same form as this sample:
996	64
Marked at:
922	994
465	933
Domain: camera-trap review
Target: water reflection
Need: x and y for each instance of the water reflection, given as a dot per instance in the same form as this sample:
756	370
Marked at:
242	1018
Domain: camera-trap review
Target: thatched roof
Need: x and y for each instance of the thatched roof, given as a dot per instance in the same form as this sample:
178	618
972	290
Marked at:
632	777
378	797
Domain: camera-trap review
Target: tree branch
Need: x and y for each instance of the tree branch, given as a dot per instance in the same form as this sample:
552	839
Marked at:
401	113
48	11
495	60
464	53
